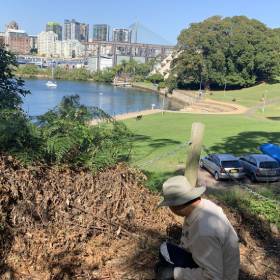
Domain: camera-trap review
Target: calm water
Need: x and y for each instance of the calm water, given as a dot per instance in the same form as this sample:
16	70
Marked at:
111	99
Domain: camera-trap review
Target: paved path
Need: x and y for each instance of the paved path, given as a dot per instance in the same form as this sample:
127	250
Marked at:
130	115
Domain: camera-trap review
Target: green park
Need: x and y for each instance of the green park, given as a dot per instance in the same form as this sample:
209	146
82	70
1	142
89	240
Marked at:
111	166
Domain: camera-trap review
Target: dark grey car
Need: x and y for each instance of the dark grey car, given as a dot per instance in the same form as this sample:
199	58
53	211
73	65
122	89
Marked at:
261	168
223	166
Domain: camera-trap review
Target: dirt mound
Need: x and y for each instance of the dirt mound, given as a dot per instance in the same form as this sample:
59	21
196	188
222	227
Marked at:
68	224
65	224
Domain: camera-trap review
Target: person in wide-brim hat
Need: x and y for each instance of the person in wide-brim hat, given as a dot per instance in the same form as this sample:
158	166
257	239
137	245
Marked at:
209	247
178	191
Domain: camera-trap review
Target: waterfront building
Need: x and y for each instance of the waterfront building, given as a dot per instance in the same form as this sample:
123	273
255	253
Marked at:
56	28
47	43
17	41
121	35
101	32
74	30
69	49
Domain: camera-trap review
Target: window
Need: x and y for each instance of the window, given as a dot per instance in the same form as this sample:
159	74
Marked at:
231	164
216	160
269	164
252	161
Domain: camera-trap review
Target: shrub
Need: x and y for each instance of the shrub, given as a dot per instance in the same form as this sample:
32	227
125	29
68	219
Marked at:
71	140
156	78
19	136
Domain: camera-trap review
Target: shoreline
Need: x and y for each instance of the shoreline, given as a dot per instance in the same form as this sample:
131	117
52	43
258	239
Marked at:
131	115
143	88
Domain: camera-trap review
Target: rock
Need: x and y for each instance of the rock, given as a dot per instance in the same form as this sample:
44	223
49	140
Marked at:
274	229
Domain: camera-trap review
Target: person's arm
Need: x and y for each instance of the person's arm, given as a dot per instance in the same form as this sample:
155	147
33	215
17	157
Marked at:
207	253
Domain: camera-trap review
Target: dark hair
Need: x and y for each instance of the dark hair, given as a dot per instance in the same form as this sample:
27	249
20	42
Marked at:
191	201
187	204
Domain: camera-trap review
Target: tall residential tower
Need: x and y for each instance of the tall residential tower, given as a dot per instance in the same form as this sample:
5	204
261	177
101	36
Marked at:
56	28
101	32
74	30
121	35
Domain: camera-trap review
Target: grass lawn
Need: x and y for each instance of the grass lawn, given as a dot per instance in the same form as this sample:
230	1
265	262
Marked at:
147	85
156	135
249	96
270	111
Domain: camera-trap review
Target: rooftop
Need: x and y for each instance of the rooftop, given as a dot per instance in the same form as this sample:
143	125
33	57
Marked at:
226	157
16	31
262	157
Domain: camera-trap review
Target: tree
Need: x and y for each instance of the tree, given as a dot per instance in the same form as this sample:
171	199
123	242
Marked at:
11	88
17	134
156	78
237	50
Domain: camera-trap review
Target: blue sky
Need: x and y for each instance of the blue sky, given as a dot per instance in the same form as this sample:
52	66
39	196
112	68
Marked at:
164	17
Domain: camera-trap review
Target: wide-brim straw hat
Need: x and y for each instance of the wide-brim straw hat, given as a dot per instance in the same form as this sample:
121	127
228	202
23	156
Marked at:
178	191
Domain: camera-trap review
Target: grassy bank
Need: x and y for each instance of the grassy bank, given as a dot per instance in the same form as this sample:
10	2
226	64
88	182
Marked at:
264	211
248	97
145	85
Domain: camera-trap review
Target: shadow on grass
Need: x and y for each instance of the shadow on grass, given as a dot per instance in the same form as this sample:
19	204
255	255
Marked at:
150	145
156	143
245	142
273	118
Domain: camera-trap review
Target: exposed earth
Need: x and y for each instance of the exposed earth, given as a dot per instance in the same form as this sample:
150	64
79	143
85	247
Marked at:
70	224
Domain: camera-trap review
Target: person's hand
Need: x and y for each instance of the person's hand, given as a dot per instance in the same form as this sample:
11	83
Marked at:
165	272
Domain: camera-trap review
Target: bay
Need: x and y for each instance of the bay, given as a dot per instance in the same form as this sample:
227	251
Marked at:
113	100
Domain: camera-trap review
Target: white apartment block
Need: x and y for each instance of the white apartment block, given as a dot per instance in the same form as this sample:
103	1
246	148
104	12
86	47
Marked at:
47	43
72	49
50	46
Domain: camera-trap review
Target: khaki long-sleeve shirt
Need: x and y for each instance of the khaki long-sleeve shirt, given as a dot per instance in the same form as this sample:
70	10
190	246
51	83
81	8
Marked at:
210	238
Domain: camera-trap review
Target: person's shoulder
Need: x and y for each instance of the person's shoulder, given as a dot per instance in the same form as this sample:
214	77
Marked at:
212	219
209	206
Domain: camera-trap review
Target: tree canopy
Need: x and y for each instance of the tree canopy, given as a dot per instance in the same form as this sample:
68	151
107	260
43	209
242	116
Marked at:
237	51
11	88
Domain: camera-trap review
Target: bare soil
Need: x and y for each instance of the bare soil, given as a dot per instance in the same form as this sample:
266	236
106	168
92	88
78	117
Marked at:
71	224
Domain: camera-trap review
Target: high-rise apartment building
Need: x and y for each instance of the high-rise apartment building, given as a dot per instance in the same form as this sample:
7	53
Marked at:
71	30
56	28
101	32
47	43
121	35
74	30
84	32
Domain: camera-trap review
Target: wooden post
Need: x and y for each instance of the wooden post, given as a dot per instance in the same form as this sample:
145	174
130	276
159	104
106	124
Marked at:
194	152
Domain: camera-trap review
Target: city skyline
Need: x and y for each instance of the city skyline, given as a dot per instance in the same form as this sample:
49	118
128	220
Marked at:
166	20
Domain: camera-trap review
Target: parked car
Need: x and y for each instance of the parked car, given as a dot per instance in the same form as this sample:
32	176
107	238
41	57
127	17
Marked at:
223	166
261	168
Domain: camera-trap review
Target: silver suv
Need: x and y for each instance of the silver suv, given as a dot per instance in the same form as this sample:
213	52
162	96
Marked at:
261	168
223	166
